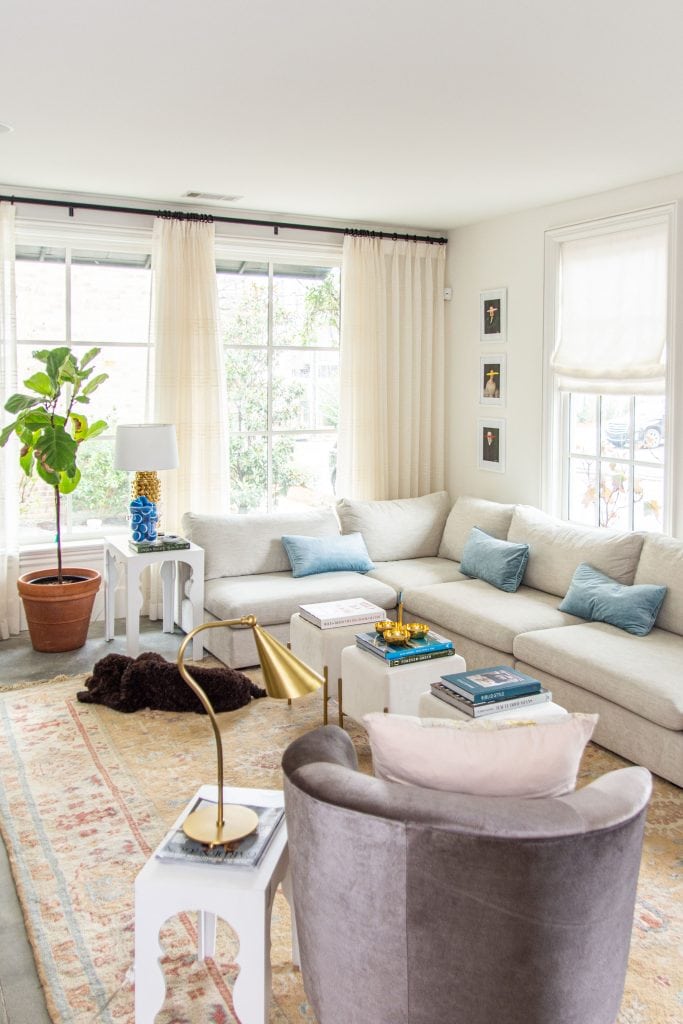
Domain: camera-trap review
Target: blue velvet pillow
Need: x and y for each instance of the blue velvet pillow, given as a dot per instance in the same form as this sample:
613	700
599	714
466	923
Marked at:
597	597
499	562
309	555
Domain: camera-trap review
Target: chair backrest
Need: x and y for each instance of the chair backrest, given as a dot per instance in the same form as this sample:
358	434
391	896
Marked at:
421	907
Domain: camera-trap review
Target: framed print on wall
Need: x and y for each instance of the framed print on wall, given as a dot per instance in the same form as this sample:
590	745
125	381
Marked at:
491	445
493	380
493	315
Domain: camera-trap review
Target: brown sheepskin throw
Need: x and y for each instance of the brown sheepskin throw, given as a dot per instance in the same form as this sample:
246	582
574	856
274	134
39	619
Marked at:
149	681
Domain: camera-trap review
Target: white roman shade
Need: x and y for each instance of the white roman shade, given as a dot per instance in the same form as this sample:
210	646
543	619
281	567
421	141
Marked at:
612	324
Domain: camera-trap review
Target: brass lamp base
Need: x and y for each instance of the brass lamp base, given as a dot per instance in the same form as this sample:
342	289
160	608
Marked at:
202	826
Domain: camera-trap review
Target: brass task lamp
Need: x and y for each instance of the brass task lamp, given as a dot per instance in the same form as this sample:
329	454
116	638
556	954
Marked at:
285	677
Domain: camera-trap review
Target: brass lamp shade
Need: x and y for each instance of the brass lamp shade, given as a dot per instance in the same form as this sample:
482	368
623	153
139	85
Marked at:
285	678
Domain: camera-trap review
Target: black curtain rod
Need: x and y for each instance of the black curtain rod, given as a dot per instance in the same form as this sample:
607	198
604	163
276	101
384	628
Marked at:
275	225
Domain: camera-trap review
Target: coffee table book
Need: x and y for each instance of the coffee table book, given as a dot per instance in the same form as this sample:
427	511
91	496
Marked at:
494	707
353	611
166	542
247	852
490	684
416	649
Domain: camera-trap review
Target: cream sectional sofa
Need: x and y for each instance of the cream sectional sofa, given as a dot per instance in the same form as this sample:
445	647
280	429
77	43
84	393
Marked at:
634	683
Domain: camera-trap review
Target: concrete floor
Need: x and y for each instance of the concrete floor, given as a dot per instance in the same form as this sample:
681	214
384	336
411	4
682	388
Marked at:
21	994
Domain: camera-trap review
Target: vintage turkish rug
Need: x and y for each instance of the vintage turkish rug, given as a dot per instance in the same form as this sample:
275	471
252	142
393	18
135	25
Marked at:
86	793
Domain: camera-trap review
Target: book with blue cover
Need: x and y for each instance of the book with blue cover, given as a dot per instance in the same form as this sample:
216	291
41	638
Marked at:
484	685
431	644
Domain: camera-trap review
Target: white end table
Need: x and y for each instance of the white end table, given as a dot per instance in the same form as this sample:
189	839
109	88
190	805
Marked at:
370	684
431	707
242	896
117	552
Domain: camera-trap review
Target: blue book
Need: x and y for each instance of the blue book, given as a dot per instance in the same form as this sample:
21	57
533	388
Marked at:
484	685
432	643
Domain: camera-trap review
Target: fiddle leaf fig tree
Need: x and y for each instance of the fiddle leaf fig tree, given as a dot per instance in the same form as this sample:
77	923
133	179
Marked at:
50	424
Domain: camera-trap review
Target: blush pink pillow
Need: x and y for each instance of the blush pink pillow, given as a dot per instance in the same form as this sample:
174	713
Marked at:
506	758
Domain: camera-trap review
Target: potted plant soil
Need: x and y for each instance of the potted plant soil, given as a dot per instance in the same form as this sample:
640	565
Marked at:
51	428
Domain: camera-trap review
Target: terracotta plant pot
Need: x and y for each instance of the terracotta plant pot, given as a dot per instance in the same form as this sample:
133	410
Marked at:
58	614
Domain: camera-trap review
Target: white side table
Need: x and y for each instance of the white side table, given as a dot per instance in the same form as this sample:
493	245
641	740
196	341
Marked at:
431	707
117	552
370	684
240	895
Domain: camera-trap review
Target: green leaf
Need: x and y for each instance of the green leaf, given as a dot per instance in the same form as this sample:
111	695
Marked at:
7	433
36	419
56	449
45	474
82	398
26	462
17	403
94	383
41	354
68	483
80	425
98	427
89	356
56	358
41	383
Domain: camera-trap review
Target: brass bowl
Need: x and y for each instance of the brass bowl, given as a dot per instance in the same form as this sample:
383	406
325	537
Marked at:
383	625
417	629
397	637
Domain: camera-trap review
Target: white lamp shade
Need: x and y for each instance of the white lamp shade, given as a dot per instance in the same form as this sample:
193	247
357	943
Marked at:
145	446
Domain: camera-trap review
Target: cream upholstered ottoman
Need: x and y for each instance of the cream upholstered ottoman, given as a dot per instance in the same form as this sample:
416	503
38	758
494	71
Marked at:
321	649
430	706
368	683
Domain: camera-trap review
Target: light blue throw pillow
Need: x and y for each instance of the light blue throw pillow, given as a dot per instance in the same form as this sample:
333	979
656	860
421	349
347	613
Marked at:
599	598
310	555
499	562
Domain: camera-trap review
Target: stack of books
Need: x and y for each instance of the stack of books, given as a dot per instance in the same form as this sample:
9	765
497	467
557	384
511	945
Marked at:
422	648
487	691
352	612
164	542
247	852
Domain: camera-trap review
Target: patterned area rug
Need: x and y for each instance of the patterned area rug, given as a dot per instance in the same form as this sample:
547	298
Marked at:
86	793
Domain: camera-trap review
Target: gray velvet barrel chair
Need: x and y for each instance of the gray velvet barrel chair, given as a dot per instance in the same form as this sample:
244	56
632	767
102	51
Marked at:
415	906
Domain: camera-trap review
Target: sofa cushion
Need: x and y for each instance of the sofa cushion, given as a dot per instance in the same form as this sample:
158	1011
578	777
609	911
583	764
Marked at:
490	516
640	673
599	598
504	758
661	562
399	528
275	597
417	572
241	545
490	617
557	547
499	562
310	555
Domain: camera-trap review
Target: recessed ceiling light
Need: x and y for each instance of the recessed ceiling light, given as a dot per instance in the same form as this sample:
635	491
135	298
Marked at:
5	128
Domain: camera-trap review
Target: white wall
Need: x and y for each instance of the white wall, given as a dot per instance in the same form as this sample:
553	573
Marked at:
509	252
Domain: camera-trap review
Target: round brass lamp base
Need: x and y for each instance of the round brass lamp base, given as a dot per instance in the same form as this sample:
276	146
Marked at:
239	822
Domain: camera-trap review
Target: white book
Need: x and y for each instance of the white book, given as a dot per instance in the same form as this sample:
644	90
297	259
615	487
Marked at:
352	612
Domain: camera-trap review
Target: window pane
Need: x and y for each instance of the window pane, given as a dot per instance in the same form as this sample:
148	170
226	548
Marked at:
649	430
616	425
36	510
243	306
103	494
305	306
121	398
582	424
305	390
109	302
247	377
615	496
248	474
583	491
305	469
648	499
41	297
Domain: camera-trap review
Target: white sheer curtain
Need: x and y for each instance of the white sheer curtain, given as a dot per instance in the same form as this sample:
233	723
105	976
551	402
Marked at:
392	401
189	375
9	491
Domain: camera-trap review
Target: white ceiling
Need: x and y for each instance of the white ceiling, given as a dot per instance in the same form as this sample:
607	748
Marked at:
420	113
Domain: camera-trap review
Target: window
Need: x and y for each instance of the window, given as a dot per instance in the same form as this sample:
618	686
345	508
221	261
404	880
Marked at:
81	296
607	454
280	327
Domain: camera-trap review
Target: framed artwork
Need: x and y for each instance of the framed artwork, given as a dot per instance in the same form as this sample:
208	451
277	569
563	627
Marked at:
493	315
493	380
491	445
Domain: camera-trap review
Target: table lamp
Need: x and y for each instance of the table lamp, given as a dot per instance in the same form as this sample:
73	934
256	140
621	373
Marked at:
285	677
144	448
